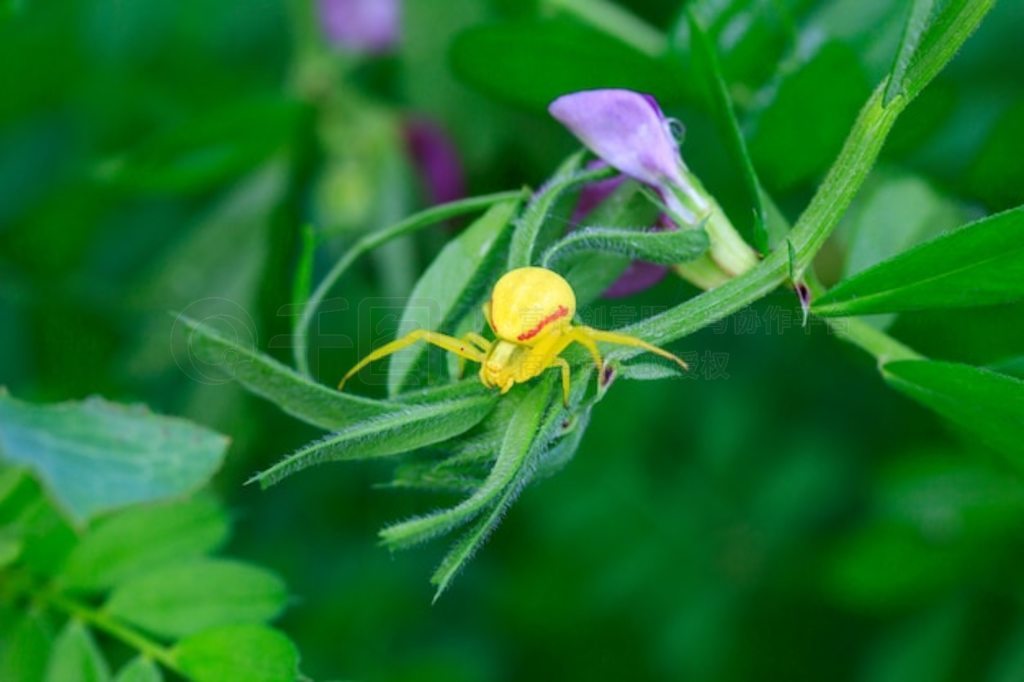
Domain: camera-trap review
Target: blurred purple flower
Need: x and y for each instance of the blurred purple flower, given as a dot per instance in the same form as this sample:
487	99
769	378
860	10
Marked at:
640	275
363	26
626	129
435	158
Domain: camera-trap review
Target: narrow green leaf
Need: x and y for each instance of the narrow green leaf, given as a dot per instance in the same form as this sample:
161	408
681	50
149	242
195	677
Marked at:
313	403
417	221
946	33
918	17
405	428
667	247
528	229
515	445
139	669
253	653
96	455
563	56
183	598
75	656
302	280
142	539
455	280
987	405
978	264
709	70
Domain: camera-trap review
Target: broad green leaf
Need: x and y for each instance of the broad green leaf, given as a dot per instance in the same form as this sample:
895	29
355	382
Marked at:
206	150
401	430
25	641
141	539
978	264
139	669
716	91
96	455
987	405
76	657
254	653
518	438
667	247
455	280
183	598
918	18
553	57
947	30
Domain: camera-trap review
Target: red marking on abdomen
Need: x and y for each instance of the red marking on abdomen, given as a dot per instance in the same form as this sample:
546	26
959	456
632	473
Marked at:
562	311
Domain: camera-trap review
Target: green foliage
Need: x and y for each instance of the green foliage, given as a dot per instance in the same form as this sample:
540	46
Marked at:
139	669
456	280
187	597
564	56
75	656
985	404
978	264
667	247
249	652
97	455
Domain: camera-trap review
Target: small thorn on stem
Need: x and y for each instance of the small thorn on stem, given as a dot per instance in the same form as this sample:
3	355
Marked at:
607	374
804	294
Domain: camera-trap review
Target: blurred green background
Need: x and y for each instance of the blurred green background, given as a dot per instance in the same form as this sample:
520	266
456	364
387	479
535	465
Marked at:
786	518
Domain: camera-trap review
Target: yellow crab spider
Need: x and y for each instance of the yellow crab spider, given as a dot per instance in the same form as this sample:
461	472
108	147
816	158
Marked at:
530	312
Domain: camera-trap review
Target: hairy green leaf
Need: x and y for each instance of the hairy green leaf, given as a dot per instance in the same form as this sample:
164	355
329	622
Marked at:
978	264
75	656
183	598
519	436
947	30
455	280
563	56
254	653
401	430
667	247
139	540
918	18
537	212
96	455
985	404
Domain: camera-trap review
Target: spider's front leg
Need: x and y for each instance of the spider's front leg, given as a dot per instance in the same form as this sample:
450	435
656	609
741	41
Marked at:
461	347
588	336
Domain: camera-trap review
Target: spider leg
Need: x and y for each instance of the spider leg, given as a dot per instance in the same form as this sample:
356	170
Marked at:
563	365
627	340
451	344
476	341
582	336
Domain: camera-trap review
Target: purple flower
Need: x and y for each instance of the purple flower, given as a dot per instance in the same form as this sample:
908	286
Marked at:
626	129
362	26
436	159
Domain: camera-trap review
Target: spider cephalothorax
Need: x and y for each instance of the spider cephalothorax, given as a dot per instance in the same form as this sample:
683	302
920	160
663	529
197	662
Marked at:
530	313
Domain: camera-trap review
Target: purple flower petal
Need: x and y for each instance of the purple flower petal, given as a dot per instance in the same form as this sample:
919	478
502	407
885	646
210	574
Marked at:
436	160
594	193
638	276
363	26
626	129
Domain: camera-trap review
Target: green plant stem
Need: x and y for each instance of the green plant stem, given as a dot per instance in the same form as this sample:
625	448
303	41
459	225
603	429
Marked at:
104	622
420	220
817	222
